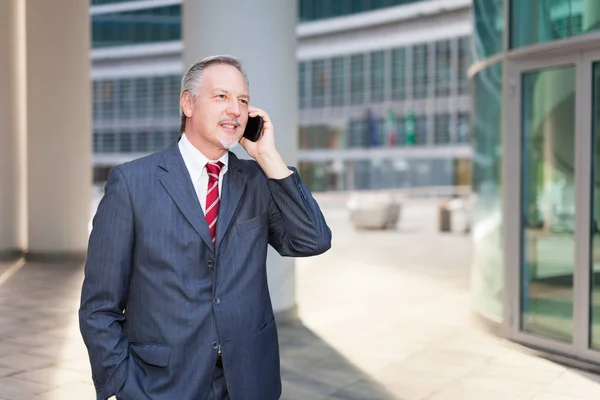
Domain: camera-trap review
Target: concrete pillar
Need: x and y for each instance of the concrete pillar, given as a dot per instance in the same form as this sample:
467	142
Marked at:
59	151
12	129
262	33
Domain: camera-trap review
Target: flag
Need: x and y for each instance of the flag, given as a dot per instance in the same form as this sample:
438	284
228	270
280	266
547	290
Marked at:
409	128
372	129
391	128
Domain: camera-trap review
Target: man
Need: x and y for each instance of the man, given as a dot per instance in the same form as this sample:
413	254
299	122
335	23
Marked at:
175	302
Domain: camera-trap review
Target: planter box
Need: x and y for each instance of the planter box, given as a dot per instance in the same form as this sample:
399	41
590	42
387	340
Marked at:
373	210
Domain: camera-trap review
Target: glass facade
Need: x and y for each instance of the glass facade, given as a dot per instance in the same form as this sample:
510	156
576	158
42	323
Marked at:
311	10
140	114
487	278
150	25
548	139
489	28
539	21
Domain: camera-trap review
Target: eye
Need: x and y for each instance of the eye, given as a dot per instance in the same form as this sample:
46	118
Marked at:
244	101
221	96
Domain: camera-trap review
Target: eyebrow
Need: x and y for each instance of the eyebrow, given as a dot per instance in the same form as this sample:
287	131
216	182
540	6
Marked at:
245	96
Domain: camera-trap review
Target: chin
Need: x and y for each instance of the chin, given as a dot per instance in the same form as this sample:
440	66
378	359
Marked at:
228	142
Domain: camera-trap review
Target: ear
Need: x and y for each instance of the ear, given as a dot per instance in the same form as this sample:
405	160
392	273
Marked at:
187	104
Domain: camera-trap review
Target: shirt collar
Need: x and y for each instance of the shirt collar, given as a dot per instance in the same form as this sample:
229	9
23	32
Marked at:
195	160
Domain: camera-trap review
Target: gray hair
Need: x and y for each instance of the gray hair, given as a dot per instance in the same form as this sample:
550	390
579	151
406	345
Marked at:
194	77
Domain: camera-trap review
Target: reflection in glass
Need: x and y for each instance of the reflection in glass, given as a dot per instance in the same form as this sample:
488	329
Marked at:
487	272
489	27
554	19
595	227
548	202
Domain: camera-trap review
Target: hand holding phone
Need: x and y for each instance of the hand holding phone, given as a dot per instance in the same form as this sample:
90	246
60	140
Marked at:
253	128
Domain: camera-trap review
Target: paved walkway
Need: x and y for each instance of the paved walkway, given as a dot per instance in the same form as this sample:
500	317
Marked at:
385	315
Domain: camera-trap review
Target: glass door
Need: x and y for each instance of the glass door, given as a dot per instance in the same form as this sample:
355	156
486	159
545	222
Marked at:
552	196
548	173
593	64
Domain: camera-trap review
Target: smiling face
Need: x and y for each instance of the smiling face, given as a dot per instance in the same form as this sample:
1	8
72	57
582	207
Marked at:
217	115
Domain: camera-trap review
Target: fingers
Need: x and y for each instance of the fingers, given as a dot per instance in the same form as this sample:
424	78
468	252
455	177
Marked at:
253	112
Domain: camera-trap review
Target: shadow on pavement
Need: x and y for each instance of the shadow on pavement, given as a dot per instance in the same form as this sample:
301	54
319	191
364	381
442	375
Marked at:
42	355
311	370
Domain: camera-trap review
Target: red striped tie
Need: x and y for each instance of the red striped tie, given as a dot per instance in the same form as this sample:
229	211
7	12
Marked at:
212	197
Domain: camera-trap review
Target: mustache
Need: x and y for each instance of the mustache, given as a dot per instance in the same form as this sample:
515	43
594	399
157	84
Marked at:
237	121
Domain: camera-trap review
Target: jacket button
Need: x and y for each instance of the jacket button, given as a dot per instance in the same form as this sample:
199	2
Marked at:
210	263
215	345
217	300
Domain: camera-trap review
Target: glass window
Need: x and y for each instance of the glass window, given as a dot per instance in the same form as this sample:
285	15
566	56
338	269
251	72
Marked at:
377	76
158	140
464	60
442	129
489	27
142	141
107	99
552	19
443	68
337	81
420	71
421	130
462	128
159	101
96	142
125	142
318	83
99	2
174	82
357	130
126	98
595	220
398	74
108	142
310	10
487	272
357	82
548	202
156	24
302	83
96	97
142	96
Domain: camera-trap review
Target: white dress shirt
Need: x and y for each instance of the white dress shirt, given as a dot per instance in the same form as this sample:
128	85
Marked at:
195	162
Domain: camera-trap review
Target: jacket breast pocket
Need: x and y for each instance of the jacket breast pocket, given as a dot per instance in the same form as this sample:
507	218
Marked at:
252	223
151	353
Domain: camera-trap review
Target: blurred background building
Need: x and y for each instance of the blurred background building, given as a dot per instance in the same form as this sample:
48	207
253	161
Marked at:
383	90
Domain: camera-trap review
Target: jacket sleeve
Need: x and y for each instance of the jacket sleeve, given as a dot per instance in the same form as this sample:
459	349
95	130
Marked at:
105	286
297	227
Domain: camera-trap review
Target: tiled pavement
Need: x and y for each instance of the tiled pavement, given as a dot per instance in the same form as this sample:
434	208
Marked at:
385	315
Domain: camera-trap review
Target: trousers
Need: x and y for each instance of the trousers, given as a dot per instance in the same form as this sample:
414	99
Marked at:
218	386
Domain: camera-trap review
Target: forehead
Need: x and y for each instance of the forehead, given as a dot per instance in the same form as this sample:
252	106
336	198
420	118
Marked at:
225	76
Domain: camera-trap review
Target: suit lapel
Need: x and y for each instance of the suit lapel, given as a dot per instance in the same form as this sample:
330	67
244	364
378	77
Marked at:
233	187
178	184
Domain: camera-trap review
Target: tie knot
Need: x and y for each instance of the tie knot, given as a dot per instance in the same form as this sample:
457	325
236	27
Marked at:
214	167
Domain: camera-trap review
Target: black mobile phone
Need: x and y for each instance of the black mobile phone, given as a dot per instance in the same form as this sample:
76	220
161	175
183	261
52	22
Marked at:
253	128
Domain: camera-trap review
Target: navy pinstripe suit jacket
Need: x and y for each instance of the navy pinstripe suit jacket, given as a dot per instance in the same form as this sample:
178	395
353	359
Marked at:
157	299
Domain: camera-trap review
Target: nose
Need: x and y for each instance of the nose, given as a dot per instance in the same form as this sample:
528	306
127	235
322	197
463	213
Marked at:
234	110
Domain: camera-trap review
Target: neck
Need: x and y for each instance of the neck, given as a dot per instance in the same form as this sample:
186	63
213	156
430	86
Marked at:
209	150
